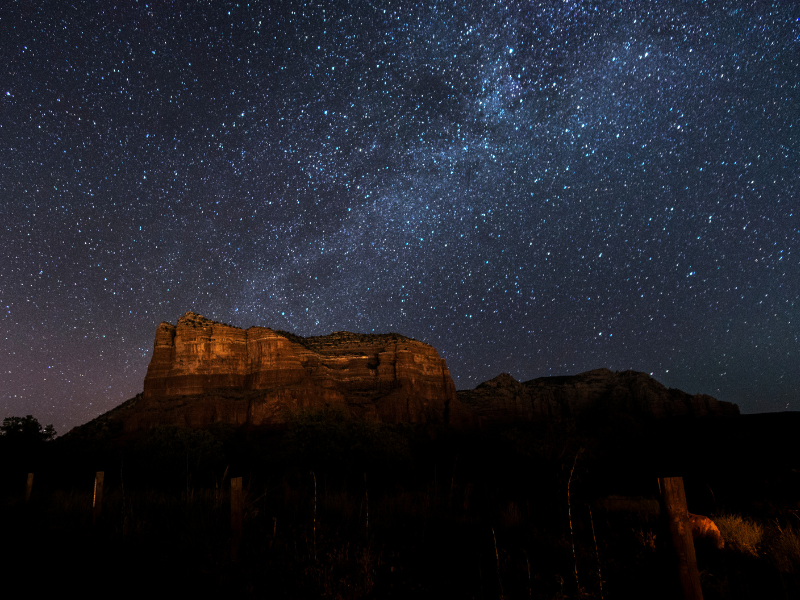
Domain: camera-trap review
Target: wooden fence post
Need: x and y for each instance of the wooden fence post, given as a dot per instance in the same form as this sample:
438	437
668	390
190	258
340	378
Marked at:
29	487
236	516
674	503
97	499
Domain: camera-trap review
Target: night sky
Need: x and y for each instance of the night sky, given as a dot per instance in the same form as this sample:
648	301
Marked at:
538	188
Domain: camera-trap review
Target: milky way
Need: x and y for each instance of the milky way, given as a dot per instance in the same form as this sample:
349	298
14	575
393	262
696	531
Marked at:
536	188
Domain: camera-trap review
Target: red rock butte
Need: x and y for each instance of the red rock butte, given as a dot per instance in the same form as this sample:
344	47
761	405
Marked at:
204	372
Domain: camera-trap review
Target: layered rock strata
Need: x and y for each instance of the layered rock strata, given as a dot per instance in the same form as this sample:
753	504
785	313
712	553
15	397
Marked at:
597	393
204	372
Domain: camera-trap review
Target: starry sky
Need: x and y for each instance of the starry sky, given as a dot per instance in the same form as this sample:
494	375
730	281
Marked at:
540	188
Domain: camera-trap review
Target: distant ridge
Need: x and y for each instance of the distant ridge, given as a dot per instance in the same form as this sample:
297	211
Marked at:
596	393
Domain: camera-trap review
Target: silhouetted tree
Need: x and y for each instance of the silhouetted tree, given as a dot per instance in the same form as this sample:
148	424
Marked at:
26	429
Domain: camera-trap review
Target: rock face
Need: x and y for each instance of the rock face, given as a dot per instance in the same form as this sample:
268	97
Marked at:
600	392
203	372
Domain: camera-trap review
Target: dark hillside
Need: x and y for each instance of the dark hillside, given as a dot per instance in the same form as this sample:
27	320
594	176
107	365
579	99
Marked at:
337	507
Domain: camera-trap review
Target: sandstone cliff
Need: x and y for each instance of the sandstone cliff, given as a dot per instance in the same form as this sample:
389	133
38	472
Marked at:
597	393
204	372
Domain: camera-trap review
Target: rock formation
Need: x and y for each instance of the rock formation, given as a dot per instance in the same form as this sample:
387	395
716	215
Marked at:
597	393
704	529
204	372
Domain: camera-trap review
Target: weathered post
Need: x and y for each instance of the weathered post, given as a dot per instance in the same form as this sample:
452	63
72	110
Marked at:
29	487
674	502
97	499
236	516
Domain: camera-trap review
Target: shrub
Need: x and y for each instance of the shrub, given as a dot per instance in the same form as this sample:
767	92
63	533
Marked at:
740	534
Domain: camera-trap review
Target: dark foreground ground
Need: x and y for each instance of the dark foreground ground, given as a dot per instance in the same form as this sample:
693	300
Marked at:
339	509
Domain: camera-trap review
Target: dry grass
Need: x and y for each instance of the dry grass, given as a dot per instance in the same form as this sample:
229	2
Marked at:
345	572
646	539
509	515
643	507
740	534
784	549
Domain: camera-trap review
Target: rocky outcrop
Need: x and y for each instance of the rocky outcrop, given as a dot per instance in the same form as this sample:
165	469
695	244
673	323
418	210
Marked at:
705	530
204	372
597	393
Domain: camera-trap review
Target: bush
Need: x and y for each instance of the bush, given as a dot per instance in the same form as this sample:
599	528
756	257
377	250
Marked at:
740	534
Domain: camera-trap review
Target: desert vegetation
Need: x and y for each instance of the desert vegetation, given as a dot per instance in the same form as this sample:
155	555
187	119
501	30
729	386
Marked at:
338	508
